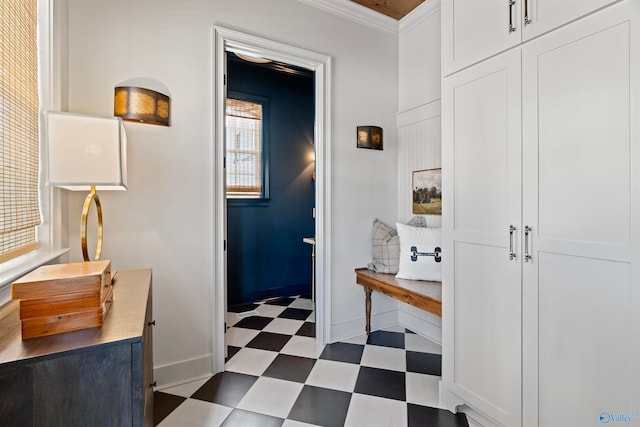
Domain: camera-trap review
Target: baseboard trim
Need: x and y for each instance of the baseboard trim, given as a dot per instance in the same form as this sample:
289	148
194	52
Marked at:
355	327
173	374
421	327
454	403
475	418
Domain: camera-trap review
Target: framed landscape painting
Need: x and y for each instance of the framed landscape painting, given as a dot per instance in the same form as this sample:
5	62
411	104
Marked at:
427	192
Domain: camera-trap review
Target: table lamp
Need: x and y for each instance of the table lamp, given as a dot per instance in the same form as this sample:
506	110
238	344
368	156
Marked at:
86	152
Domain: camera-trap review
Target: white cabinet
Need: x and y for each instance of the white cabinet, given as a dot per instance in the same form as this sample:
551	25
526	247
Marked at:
545	138
581	188
473	30
482	293
541	16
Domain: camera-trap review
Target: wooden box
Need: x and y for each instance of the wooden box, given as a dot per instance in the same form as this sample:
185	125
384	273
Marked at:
65	321
59	279
64	297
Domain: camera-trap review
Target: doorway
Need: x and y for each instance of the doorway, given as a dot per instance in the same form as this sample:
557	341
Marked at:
227	40
270	182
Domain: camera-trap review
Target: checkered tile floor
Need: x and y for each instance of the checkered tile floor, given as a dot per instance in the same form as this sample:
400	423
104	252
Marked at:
277	375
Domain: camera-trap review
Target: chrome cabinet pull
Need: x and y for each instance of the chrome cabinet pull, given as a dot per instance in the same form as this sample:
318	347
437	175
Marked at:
512	254
527	20
527	230
511	3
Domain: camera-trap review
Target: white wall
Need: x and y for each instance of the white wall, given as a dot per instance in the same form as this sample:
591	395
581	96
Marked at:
418	119
419	131
419	57
165	219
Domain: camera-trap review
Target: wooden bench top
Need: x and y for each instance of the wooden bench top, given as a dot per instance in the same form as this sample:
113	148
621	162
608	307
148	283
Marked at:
422	294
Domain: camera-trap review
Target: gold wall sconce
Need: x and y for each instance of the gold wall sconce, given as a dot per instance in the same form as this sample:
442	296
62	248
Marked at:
369	137
136	104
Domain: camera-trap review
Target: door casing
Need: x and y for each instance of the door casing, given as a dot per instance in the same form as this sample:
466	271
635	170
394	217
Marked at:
226	39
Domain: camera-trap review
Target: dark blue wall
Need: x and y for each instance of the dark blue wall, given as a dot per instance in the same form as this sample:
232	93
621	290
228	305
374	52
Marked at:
265	253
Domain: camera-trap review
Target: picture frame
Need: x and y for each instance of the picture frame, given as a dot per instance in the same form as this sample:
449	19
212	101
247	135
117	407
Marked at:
426	192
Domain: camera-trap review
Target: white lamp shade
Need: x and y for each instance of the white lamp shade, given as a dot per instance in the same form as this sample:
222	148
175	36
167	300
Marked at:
85	151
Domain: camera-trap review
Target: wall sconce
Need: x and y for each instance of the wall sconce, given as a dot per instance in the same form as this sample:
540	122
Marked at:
136	104
370	137
85	152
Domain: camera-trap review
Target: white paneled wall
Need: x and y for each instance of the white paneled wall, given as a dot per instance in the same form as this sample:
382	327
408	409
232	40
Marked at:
419	136
419	93
419	147
419	56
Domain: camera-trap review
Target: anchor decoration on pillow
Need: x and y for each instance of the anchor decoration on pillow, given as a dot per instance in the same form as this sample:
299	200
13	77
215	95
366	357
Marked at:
415	254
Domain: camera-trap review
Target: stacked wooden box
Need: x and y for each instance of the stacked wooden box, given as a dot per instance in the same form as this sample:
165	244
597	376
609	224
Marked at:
63	297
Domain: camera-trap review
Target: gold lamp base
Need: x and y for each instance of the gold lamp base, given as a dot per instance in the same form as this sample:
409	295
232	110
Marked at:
92	196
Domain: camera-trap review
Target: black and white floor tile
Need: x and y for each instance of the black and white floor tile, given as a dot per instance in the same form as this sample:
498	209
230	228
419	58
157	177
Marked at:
278	375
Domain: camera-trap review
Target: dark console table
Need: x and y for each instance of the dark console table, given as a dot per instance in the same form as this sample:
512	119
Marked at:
92	377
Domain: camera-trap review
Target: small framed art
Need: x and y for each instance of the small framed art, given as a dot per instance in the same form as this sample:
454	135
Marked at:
427	192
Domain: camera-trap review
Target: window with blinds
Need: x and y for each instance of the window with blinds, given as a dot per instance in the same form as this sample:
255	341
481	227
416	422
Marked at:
19	212
244	140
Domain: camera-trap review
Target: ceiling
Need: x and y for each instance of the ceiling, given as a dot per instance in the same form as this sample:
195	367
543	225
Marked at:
396	9
269	64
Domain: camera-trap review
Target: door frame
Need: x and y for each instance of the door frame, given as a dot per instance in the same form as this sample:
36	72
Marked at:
226	39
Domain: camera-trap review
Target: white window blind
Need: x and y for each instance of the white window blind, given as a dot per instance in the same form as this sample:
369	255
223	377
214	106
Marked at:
244	149
19	212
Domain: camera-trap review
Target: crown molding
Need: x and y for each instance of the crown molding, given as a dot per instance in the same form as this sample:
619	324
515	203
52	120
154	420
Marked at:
357	13
427	9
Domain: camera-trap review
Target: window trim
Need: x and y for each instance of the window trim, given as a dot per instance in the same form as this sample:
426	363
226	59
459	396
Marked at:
264	198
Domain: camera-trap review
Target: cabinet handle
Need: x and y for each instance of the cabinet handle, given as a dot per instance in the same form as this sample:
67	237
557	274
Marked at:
527	20
153	384
527	229
511	3
512	254
152	323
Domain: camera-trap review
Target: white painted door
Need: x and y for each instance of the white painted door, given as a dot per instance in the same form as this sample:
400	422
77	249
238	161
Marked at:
581	327
476	29
482	188
541	16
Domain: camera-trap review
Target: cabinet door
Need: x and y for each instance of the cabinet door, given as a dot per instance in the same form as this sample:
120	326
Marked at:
545	15
473	30
482	194
147	360
91	387
581	186
142	372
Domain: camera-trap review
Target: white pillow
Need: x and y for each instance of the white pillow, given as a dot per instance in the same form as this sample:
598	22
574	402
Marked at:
425	240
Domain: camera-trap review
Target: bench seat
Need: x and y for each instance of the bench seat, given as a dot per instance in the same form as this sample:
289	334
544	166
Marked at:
422	294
